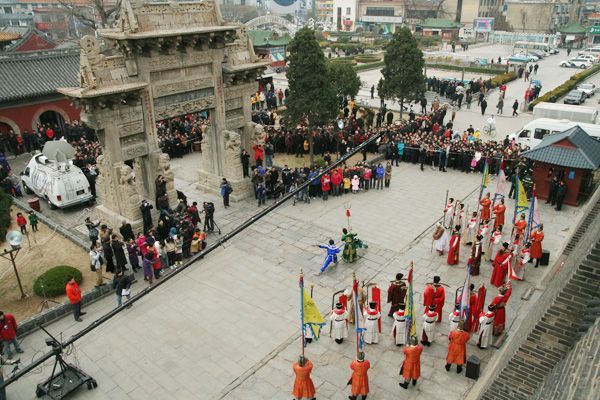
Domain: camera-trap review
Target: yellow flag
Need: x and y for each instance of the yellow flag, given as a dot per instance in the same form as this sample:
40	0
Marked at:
522	200
312	315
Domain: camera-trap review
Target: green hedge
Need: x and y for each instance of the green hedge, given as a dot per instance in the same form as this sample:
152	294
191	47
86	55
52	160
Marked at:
501	79
348	61
5	203
367	58
55	280
566	87
374	65
480	70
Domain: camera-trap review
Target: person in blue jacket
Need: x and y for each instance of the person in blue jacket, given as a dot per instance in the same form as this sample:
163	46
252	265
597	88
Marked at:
332	252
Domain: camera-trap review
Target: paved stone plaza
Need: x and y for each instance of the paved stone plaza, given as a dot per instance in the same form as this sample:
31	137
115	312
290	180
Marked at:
228	326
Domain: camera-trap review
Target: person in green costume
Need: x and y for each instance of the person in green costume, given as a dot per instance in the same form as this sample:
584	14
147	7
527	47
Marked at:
351	243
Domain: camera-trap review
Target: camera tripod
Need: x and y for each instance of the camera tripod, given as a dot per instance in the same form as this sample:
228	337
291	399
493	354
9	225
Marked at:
45	300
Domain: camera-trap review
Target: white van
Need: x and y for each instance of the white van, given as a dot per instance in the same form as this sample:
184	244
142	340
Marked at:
532	134
588	115
58	181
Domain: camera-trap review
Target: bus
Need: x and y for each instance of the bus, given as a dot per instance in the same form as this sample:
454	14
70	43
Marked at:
525	46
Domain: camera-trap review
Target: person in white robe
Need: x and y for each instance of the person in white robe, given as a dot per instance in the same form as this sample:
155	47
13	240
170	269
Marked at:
399	328
486	327
372	317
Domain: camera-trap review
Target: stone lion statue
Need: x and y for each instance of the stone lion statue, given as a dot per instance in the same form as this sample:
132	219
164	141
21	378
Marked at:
233	141
257	133
126	175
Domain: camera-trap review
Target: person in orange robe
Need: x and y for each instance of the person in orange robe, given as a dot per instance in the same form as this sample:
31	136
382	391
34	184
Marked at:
453	252
499	210
501	262
500	303
457	349
411	367
536	244
435	294
485	207
360	377
303	384
520	226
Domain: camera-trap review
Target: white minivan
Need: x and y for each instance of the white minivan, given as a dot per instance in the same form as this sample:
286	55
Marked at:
532	133
56	180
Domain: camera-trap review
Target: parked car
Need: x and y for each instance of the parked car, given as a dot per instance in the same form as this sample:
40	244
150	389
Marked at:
590	50
590	57
575	97
553	50
529	57
538	53
588	88
576	63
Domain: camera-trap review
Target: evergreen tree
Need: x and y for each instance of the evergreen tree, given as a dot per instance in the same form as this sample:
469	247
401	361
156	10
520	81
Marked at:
403	77
344	79
312	97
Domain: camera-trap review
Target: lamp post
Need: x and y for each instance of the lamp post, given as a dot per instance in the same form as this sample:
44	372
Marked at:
14	238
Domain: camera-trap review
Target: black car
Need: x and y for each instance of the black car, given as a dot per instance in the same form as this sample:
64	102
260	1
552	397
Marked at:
575	97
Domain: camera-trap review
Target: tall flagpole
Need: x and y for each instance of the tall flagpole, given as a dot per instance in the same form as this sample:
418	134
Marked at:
302	308
531	216
356	320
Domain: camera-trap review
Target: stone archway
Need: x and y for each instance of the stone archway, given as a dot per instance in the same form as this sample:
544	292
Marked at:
10	123
36	116
272	20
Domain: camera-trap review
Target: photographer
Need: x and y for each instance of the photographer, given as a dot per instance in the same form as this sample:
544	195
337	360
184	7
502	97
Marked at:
209	211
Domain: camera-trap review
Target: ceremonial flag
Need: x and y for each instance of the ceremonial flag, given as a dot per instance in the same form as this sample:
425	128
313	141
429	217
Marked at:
410	315
486	175
501	183
465	296
521	204
535	218
309	313
358	321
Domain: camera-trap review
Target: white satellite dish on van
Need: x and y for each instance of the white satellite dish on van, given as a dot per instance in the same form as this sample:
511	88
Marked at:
14	238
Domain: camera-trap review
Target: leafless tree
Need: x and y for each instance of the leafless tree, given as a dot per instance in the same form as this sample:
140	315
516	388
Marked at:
103	12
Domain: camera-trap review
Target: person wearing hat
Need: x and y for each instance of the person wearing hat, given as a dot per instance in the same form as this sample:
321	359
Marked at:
411	366
304	389
339	324
501	263
476	253
396	294
454	249
399	329
486	320
434	294
360	377
499	303
523	256
428	331
536	244
449	213
485	207
454	317
372	317
457	348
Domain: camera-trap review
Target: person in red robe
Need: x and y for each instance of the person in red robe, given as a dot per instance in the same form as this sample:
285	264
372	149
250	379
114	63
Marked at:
520	226
435	294
457	349
303	384
473	316
501	262
360	377
499	210
396	294
411	366
453	252
500	303
536	245
485	207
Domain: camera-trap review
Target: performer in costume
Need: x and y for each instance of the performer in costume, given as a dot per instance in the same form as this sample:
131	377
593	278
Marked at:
362	298
499	303
522	257
396	294
499	210
457	348
485	207
473	315
471	230
434	294
495	243
520	225
372	316
536	244
476	253
454	317
332	252
440	238
399	329
304	389
351	243
339	324
461	215
428	331
411	366
454	250
485	328
484	231
449	213
360	377
501	262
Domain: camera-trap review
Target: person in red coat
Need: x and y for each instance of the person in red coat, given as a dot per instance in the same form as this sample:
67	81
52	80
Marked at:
499	210
453	252
499	302
325	185
360	377
473	316
8	333
303	384
536	245
411	366
501	262
259	154
74	294
457	349
22	222
485	207
435	294
336	182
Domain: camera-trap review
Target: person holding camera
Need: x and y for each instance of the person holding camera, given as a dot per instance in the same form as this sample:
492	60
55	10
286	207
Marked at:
96	262
209	212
